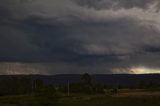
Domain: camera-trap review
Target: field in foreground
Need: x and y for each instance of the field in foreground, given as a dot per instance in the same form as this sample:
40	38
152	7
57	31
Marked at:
124	98
121	99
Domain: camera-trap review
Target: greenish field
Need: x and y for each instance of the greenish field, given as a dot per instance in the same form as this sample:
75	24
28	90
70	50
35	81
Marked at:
110	101
124	98
27	101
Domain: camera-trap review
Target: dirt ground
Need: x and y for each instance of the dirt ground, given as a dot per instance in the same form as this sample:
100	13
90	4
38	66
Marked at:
137	93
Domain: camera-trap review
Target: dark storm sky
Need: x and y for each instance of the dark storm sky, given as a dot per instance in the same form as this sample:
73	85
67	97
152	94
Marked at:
76	36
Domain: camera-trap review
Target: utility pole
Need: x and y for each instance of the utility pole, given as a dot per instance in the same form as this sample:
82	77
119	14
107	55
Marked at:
68	87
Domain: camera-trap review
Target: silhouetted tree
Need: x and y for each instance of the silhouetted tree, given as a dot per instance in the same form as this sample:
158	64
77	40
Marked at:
86	83
86	79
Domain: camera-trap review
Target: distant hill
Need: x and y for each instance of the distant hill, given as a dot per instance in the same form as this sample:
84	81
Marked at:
105	79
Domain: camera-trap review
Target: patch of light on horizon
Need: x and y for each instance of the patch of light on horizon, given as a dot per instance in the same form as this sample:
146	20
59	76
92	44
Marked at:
144	70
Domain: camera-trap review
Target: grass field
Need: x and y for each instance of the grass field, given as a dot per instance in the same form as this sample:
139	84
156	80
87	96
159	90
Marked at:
123	98
126	99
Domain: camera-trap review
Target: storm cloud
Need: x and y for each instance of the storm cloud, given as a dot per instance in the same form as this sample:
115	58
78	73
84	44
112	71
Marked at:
77	36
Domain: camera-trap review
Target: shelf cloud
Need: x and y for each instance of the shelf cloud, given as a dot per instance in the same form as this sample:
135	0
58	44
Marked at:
76	36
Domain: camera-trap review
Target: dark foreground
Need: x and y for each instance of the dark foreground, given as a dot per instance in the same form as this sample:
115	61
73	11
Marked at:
87	91
123	98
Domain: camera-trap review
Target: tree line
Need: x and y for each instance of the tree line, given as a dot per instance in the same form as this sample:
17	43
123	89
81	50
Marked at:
24	85
48	94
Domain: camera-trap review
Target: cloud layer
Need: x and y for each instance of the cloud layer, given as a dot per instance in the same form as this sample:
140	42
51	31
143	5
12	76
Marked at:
96	36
